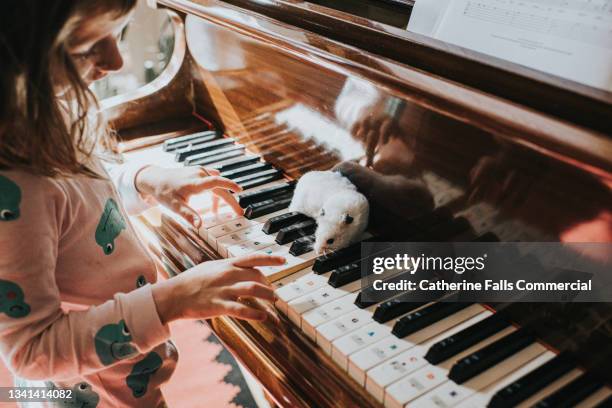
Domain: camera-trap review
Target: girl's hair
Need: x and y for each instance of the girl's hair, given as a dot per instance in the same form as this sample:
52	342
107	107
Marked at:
41	132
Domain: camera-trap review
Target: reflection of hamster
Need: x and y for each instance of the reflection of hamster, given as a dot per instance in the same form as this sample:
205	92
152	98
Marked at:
340	210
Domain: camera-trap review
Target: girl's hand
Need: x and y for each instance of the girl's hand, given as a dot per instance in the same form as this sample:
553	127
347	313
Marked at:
173	187
213	289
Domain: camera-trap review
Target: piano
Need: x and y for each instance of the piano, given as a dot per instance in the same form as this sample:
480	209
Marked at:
473	148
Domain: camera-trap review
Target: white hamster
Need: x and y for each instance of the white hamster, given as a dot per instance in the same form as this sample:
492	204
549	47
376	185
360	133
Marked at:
340	210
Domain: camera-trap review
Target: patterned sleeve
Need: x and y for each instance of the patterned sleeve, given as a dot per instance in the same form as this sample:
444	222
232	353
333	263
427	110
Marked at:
38	340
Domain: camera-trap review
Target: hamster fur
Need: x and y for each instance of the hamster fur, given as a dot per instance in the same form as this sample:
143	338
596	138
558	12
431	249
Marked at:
333	201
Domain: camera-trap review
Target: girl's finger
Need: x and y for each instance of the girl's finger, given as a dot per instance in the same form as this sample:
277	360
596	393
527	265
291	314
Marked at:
242	311
215	204
188	213
252	290
249	261
212	182
204	172
237	274
229	199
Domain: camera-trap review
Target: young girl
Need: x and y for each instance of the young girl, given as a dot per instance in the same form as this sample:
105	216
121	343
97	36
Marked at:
80	307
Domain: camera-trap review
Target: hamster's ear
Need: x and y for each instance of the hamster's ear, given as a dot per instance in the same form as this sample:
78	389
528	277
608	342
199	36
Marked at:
322	213
348	219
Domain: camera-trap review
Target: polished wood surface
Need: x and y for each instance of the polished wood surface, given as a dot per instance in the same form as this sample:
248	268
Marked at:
283	78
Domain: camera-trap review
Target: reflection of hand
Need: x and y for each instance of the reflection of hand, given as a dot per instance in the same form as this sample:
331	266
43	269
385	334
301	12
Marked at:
213	289
173	187
375	129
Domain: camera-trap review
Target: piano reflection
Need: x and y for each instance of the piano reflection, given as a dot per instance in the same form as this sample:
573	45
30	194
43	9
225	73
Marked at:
447	145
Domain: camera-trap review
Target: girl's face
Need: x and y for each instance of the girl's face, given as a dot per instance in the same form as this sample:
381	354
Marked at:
93	45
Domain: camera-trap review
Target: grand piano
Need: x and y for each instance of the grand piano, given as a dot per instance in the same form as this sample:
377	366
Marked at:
446	143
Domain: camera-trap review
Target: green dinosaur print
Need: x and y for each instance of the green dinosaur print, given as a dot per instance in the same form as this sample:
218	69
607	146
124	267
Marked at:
112	343
11	300
138	380
110	226
83	396
10	198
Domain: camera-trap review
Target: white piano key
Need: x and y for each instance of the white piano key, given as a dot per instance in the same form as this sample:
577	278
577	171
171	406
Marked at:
328	332
482	397
385	374
294	287
343	347
365	359
297	307
415	384
329	311
253	232
235	225
250	246
292	263
450	393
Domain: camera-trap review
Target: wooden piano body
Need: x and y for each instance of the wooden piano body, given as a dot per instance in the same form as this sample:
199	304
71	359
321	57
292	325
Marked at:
513	151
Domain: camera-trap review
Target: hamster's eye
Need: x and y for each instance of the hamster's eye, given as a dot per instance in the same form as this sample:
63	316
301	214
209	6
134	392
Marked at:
322	213
348	219
7	215
330	241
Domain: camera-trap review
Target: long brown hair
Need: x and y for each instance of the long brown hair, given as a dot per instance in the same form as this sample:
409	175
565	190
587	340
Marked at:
39	132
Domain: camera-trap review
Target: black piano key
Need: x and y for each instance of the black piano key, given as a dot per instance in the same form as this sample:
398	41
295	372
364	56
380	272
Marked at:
450	346
236	163
395	307
572	393
336	259
215	156
180	142
197	149
247	198
295	231
265	173
246	170
345	275
302	245
277	204
607	403
274	224
532	382
361	303
488	356
260	181
426	316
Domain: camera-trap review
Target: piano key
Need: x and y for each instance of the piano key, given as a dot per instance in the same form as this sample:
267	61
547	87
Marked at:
292	263
247	198
401	379
284	220
601	398
486	357
325	313
254	210
425	316
411	360
573	393
526	386
391	346
302	245
301	286
236	163
456	343
195	150
325	294
326	263
346	345
328	332
295	231
215	156
482	397
345	274
176	143
250	246
271	174
246	170
395	307
260	181
230	227
451	393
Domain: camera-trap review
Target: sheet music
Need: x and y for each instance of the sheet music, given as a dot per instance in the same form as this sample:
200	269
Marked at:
568	38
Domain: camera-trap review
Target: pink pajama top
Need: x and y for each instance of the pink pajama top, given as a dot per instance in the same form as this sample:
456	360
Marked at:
76	308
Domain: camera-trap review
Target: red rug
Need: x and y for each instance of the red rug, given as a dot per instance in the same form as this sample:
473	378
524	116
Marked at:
206	375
